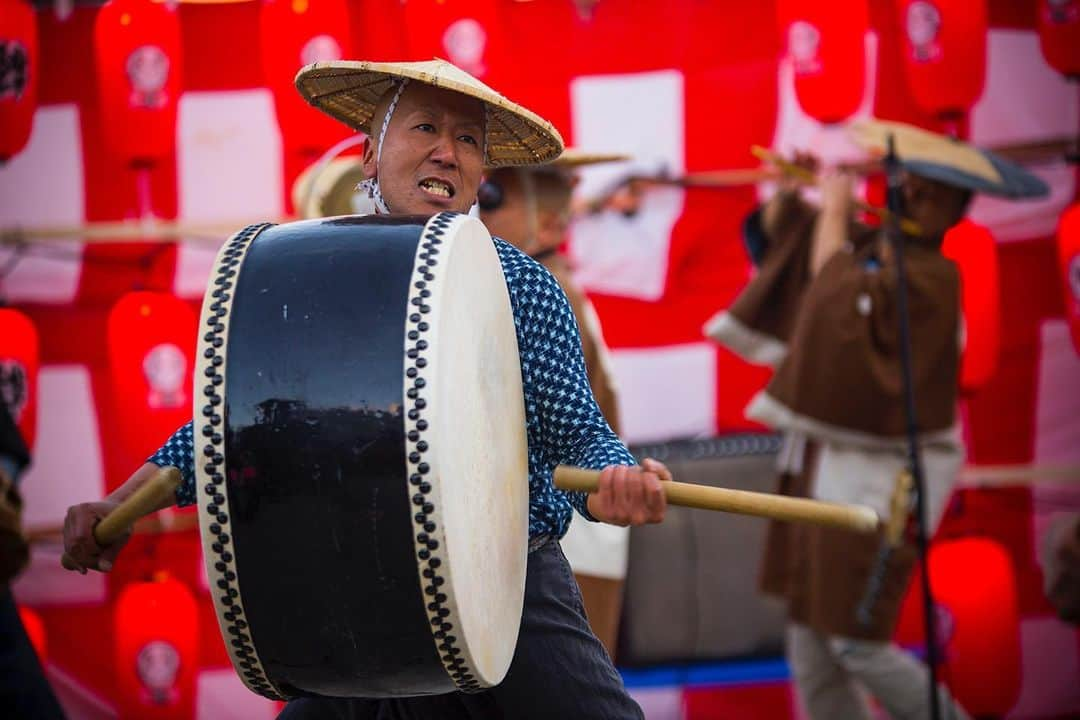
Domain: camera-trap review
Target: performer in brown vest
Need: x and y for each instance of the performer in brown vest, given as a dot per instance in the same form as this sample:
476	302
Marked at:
530	207
821	310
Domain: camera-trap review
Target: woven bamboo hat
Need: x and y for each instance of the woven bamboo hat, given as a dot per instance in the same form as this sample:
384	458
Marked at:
948	160
349	90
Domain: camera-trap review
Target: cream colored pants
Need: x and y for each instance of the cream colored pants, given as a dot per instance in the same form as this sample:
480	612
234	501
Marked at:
834	674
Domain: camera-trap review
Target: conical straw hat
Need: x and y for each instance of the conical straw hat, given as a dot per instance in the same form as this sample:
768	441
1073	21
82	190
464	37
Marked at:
349	90
948	160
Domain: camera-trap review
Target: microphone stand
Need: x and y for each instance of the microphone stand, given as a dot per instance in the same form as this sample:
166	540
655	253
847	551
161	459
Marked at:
895	203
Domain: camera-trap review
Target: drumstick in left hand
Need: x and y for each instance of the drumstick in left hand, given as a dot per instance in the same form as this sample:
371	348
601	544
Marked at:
153	494
778	507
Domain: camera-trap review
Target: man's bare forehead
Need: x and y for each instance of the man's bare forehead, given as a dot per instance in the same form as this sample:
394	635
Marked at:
437	101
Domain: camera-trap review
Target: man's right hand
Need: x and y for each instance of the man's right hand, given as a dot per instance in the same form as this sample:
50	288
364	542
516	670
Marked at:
79	542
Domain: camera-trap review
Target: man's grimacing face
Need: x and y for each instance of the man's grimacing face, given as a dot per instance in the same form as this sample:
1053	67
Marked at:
433	154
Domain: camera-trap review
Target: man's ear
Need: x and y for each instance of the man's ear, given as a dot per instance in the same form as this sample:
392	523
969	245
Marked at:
371	168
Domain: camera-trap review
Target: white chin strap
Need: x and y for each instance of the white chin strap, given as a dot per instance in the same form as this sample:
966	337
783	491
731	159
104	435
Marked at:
371	185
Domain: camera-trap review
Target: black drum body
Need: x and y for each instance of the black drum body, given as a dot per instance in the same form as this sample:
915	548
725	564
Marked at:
334	508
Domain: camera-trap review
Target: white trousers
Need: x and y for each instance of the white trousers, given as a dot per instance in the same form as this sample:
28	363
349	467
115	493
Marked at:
834	674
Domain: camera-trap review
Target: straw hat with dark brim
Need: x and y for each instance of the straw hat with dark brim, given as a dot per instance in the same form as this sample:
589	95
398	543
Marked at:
573	157
571	160
349	90
949	161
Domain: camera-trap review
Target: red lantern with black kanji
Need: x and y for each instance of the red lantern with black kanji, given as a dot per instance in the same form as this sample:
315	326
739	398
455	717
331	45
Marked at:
18	75
156	650
295	33
977	622
827	53
944	49
1059	35
972	248
18	371
151	345
1068	252
139	74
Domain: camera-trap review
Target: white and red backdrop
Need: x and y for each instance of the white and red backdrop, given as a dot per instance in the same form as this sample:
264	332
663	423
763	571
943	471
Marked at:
682	86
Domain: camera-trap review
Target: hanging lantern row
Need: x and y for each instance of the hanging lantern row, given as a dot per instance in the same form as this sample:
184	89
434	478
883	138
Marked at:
944	54
140	61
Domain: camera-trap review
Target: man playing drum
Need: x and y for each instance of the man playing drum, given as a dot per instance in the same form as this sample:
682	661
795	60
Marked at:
433	128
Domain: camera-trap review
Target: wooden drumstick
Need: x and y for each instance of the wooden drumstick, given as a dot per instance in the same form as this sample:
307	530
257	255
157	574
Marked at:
778	507
151	495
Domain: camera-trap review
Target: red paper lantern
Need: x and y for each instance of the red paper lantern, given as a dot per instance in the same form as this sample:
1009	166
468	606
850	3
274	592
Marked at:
973	249
944	50
139	67
827	52
1068	245
388	44
295	33
1059	34
156	651
465	33
19	75
151	345
19	370
978	622
35	630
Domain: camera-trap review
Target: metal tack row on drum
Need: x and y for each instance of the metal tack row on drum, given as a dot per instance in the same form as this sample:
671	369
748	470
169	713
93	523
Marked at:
361	457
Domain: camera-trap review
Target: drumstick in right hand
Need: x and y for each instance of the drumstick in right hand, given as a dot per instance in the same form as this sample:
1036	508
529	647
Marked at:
778	507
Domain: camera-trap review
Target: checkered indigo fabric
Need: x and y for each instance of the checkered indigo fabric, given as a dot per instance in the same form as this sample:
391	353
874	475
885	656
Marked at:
563	421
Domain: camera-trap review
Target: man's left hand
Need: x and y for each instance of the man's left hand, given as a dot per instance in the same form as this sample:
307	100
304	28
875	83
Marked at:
631	495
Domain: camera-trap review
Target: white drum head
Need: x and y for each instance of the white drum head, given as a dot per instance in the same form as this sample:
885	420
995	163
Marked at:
476	449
